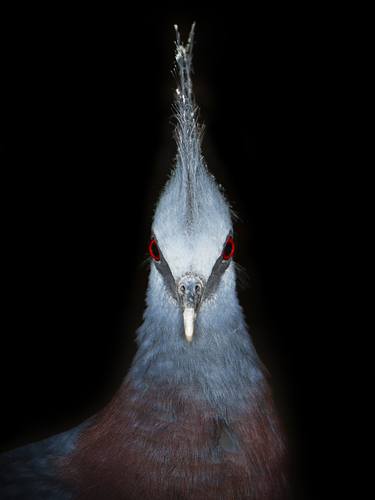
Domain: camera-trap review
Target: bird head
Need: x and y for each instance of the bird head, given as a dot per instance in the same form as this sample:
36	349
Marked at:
191	244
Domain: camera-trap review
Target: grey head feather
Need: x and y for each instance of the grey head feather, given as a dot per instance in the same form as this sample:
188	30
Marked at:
192	216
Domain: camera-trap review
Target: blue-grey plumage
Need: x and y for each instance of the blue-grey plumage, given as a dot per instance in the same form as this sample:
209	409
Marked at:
31	472
191	223
194	417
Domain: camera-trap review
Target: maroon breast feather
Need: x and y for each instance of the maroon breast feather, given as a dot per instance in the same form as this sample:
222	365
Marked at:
161	447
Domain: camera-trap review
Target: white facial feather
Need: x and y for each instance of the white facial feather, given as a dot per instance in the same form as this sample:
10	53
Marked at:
192	240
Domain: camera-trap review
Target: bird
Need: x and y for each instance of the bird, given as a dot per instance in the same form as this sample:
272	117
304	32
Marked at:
194	417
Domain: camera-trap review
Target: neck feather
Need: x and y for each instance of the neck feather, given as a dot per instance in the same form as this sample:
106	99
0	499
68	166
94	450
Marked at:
220	366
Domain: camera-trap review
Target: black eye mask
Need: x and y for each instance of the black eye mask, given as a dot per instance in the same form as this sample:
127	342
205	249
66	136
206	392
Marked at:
162	266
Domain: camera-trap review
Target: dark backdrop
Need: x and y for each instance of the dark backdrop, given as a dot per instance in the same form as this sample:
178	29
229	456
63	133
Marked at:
88	146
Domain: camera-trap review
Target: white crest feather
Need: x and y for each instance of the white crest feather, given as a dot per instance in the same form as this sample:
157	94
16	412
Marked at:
192	211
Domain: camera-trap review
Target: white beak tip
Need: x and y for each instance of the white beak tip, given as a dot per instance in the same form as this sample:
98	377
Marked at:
189	319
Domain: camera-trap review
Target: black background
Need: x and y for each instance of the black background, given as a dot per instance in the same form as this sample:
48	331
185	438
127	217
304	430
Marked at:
87	148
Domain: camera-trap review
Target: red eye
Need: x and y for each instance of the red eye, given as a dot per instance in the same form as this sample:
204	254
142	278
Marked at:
154	250
228	248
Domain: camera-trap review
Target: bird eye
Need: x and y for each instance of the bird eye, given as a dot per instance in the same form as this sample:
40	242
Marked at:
228	250
154	250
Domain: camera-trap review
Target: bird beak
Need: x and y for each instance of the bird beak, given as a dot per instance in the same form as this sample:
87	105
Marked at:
189	290
189	320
